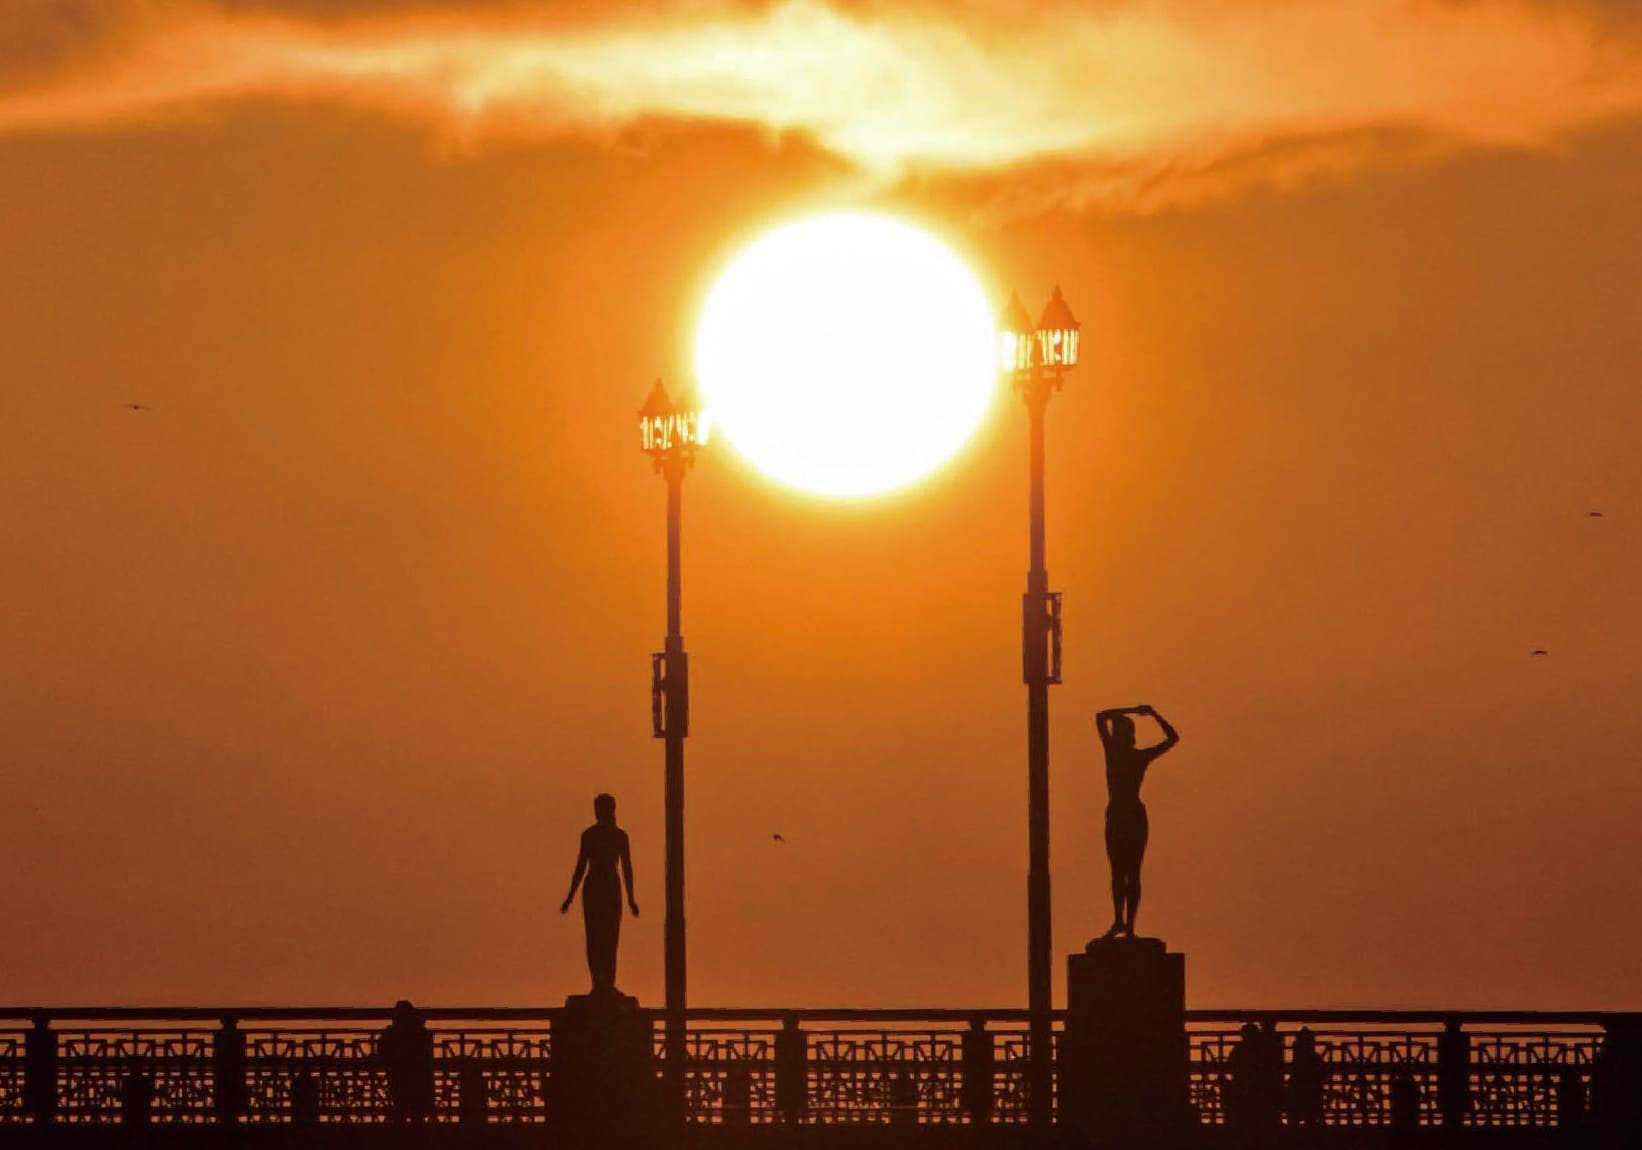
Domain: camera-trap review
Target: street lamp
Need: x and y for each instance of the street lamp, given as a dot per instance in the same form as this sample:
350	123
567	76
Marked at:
1036	359
670	433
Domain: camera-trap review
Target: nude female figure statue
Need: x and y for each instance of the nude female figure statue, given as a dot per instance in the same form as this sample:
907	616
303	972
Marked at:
604	844
1126	824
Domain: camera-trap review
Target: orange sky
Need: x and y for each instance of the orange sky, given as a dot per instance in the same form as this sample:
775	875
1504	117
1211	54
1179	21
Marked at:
309	674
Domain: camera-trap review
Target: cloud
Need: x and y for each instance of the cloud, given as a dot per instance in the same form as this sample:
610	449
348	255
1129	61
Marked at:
1125	97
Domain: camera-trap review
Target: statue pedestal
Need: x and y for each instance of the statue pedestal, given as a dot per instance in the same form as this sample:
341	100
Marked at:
603	1077
1125	1063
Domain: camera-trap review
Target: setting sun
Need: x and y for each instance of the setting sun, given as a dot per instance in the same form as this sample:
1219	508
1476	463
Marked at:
846	355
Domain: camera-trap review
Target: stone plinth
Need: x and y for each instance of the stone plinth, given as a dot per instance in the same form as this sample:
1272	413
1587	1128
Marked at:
603	1077
1125	1062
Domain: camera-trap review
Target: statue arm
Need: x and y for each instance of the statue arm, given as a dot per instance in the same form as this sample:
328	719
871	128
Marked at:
1170	735
1103	721
575	878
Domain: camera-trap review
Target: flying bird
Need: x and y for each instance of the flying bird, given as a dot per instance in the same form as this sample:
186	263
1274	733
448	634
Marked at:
1538	651
138	407
778	838
1593	515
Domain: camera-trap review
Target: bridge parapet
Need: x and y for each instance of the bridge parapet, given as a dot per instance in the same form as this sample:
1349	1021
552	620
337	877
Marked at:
257	1066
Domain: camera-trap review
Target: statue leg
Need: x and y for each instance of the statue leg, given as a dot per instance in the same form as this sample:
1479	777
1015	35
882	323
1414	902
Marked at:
603	918
1142	831
1114	859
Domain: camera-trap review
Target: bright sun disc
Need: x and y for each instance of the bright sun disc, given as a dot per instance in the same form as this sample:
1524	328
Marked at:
846	354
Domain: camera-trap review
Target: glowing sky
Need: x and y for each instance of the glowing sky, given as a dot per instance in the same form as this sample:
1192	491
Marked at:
1144	92
308	674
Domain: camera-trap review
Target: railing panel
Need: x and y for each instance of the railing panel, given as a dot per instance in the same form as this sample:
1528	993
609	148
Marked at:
337	1071
730	1079
13	1103
1013	1050
110	1076
879	1077
1531	1079
492	1075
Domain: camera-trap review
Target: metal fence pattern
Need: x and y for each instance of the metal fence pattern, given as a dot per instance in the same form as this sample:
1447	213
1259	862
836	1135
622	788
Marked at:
942	1068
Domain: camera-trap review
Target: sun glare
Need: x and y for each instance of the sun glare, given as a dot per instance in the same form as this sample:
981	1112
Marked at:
847	354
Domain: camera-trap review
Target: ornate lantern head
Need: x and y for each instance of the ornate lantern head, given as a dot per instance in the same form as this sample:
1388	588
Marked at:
656	422
1015	337
691	421
669	429
1058	334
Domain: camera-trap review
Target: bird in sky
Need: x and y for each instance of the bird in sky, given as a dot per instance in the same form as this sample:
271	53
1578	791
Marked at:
777	838
1538	651
137	407
1593	515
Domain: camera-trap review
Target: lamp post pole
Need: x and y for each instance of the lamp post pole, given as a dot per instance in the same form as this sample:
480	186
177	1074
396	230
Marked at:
672	432
675	726
1036	671
1036	357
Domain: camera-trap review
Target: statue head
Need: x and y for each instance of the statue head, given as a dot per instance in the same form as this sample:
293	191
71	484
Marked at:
604	808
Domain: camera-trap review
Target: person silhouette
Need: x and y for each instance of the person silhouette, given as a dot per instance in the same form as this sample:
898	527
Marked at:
604	844
1304	1103
405	1050
1126	825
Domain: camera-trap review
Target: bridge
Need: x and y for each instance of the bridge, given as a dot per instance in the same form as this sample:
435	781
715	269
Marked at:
69	1075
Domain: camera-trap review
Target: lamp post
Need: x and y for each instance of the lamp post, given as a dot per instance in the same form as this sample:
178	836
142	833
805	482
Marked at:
1036	359
670	434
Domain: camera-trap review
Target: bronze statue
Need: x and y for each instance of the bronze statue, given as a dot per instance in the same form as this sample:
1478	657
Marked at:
604	844
1126	825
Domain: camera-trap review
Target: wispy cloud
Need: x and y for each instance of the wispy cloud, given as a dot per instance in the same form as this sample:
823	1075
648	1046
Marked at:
1132	92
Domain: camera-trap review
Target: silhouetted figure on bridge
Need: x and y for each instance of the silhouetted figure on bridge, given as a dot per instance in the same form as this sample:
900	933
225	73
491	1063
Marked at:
604	844
1453	1074
405	1048
1126	825
1253	1094
1304	1101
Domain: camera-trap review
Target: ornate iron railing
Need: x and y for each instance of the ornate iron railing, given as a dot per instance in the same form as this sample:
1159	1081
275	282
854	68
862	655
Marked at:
817	1067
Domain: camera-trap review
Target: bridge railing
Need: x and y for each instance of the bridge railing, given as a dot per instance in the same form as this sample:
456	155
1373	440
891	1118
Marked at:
1500	1070
817	1067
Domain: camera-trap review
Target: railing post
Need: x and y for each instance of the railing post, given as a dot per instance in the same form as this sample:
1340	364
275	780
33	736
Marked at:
40	1071
1570	1099
979	1067
1454	1073
1616	1078
473	1103
136	1095
228	1070
1405	1098
738	1092
903	1097
792	1088
304	1096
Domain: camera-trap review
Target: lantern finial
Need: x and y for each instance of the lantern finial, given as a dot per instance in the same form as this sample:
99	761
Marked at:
658	403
